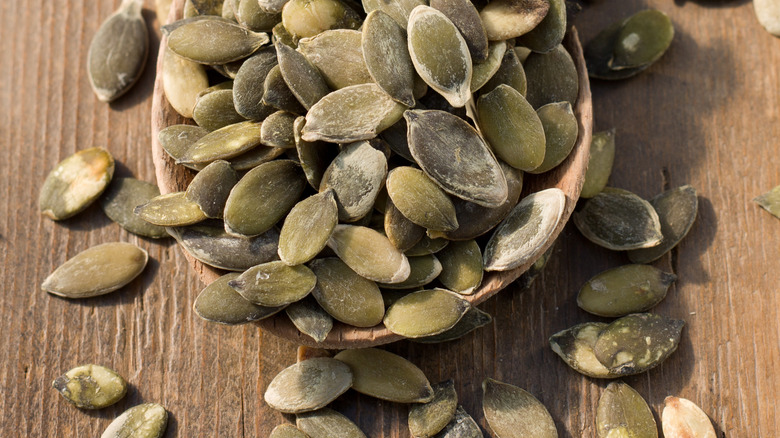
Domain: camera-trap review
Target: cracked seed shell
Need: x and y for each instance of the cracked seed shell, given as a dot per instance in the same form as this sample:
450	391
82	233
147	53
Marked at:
677	209
91	386
602	155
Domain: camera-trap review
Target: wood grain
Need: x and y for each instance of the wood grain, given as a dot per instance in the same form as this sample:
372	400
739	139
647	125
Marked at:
707	115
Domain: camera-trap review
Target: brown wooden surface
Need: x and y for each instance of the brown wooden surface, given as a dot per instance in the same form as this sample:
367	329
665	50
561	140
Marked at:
707	114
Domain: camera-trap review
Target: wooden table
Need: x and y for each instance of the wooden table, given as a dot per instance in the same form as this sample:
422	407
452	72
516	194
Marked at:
707	114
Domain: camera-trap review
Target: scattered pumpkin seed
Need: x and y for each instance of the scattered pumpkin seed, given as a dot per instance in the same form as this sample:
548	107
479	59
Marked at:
623	412
307	18
274	284
248	86
250	15
218	302
309	385
549	33
424	269
401	232
770	201
315	157
598	53
428	419
461	267
387	57
553	77
465	17
211	186
91	386
386	376
472	320
602	155
426	246
419	199
216	110
677	209
97	271
768	14
513	412
560	133
182	81
575	346
345	295
338	55
356	175
122	196
369	253
681	418
425	313
624	290
177	139
462	426
327	423
510	72
307	228
643	38
287	431
310	318
227	41
303	79
215	247
75	183
483	71
147	420
171	210
506	19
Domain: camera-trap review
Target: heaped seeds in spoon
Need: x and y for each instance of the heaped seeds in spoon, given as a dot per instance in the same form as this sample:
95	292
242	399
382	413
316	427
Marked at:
211	186
512	127
560	134
549	32
303	79
263	196
274	284
619	220
424	269
483	71
623	412
401	232
250	15
215	247
681	418
465	17
643	38
307	18
770	201
277	130
177	139
462	426
419	199
425	313
552	77
768	14
440	54
356	175
227	41
506	19
75	183
398	10
338	55
427	245
455	157
278	95
215	110
638	342
624	290
148	420
307	228
602	155
387	57
248	86
182	81
676	210
310	318
315	157
91	386
510	72
171	210
472	320
461	267
309	385
118	51
527	229
575	346
513	412
428	419
97	271
287	431
345	295
327	423
224	143
121	198
387	376
218	302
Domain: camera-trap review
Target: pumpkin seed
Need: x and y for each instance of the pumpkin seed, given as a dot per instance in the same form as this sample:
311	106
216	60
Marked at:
387	57
549	33
369	253
345	295
768	14
303	79
255	157
483	71
214	247
560	133
263	196
211	186
277	130
177	139
623	412
510	72
525	231
118	51
426	246
75	183
281	34
386	376
619	220
638	342
227	41
307	228
553	77
401	232
250	15
274	283
528	277
310	319
248	87
465	17
627	289
307	18
315	157
287	431
398	10
513	412
602	155
122	196
309	385
512	127
217	110
575	346
462	268
338	55
356	175
428	419
643	38
278	95
147	420
227	142
462	426
506	19
770	201
522	52
472	320
598	54
440	54
682	418
676	210
170	27
455	157
171	210
424	269
327	423
218	302
425	313
91	386
272	5
419	199
182	81
97	271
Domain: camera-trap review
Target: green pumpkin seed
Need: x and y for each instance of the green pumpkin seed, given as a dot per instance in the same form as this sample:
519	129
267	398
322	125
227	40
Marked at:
310	319
309	385
227	41
682	418
624	290
427	245
512	127
676	210
274	284
401	232
250	15
282	35
513	412
214	247
462	426
277	130
560	133
770	201
356	175
148	420
327	423
303	79
345	295
124	32
425	313
351	114
575	346
768	14
528	277
315	157
465	17
224	143
527	229
248	87
424	269
553	78
75	183
216	110
171	210
278	95
387	57
598	54
97	271
307	228
272	5
643	38
255	157
170	27
440	54
619	220
263	196
510	72
506	19
211	186
455	157
91	386
386	376
287	431
122	196
483	71
602	155
177	139
428	419
623	412
635	343
472	320
419	199
182	81
218	302
307	18
398	10
338	55
549	33
461	267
